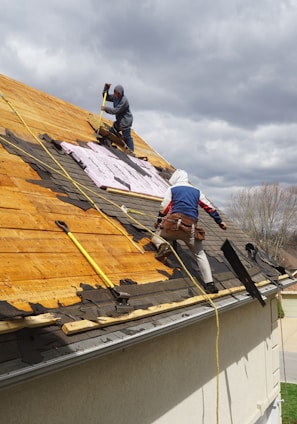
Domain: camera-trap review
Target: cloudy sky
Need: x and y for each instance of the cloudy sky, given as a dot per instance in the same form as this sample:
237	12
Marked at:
212	84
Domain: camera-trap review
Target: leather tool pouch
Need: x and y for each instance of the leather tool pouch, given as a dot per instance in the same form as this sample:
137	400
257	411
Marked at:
178	221
199	233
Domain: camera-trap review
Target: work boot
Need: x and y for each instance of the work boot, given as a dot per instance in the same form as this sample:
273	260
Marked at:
105	142
163	252
210	288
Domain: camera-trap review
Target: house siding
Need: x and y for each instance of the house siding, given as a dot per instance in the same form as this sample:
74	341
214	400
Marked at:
289	303
171	378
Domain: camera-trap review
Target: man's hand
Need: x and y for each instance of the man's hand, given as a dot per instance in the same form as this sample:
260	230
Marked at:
223	225
106	86
103	108
159	219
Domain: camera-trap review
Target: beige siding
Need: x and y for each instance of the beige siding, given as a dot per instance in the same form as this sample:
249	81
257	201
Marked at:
289	302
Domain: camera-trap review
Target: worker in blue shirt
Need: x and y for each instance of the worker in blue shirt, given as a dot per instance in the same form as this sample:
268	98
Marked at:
178	219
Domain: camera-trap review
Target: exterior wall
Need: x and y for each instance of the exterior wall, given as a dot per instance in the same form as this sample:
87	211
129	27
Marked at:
171	379
271	415
289	303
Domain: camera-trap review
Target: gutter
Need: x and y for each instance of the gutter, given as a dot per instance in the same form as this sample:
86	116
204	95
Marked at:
103	345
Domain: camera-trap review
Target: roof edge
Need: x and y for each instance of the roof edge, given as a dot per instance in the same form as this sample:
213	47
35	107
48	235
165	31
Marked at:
142	332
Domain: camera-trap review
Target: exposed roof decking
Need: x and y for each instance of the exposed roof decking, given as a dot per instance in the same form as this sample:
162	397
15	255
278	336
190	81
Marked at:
43	271
29	210
46	249
43	113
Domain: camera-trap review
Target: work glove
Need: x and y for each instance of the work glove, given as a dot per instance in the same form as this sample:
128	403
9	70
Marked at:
106	87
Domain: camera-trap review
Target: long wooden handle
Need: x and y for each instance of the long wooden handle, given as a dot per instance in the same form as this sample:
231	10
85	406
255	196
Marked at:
101	112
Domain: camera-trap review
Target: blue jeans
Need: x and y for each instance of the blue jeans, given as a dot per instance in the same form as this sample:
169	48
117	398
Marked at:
128	139
126	135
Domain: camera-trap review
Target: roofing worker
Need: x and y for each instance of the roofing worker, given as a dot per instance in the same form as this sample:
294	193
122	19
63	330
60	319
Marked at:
177	220
121	110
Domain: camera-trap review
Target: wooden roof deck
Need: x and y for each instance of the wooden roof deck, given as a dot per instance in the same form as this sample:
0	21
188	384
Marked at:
44	278
39	263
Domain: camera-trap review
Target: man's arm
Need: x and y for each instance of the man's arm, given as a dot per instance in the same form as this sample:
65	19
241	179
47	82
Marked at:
208	207
166	202
164	207
223	225
121	108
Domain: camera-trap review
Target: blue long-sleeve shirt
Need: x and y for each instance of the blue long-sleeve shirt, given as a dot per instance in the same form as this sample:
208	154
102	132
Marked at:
186	199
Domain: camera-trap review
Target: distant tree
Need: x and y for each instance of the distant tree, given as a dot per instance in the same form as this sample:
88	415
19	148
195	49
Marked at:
267	214
291	245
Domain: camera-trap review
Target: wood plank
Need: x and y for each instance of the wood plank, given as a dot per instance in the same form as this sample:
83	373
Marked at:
104	321
40	241
43	320
85	325
46	265
10	218
13	199
50	293
31	241
79	221
132	194
13	165
6	181
53	292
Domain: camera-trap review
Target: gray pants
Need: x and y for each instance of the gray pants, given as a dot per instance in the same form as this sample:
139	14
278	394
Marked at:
196	248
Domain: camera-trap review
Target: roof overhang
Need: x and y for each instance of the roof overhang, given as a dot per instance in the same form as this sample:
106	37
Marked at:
140	331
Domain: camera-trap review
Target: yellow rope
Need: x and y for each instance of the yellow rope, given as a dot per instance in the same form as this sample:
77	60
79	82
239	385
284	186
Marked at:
285	385
206	296
126	210
80	188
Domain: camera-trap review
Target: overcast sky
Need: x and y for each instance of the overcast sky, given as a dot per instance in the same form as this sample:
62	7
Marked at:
212	84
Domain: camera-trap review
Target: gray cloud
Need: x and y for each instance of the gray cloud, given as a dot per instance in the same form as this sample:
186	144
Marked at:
212	85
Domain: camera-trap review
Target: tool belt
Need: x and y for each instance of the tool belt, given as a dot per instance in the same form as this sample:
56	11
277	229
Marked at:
179	221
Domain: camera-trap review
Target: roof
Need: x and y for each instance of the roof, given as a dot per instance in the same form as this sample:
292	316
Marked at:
78	273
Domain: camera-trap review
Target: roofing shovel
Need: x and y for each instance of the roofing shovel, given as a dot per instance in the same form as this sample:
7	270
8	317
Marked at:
121	298
232	257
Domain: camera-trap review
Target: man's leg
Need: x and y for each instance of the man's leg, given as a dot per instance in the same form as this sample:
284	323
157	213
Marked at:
202	261
115	129
163	249
204	267
128	139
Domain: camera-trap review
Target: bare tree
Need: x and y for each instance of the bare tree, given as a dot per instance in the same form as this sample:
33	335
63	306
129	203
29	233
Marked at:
267	214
